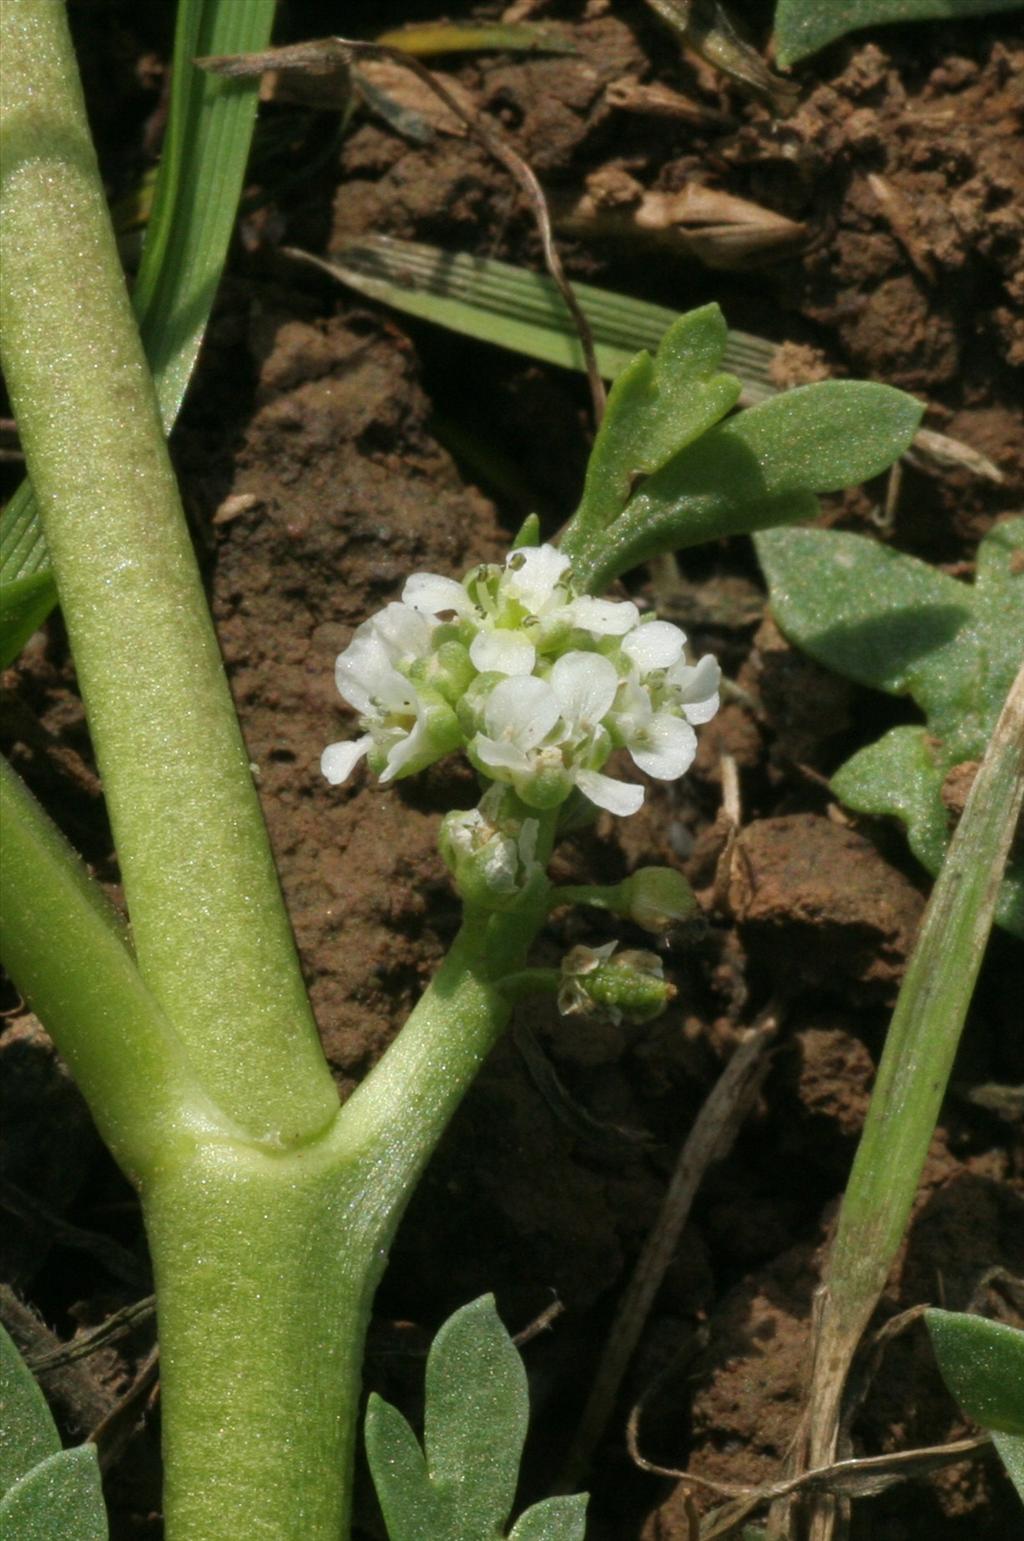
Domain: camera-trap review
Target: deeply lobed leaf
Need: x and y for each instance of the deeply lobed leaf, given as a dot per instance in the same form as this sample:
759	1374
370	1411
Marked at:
892	622
475	1419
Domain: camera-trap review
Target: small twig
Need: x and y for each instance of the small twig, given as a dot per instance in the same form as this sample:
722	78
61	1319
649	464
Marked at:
111	1435
713	1133
539	1324
119	1325
340	52
863	1476
79	1396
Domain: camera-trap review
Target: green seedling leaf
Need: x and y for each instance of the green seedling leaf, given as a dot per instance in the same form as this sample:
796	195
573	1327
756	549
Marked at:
760	468
554	1519
58	1499
475	1420
656	407
982	1363
198	186
804	26
46	1493
891	622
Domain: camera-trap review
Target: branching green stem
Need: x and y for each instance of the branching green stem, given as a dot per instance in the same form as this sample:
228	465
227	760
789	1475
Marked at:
210	931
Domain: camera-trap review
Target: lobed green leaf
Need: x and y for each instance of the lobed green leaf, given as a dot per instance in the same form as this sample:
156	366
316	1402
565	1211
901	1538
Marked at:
477	1406
46	1493
804	26
28	1433
760	468
554	1519
982	1363
410	1505
656	407
891	622
59	1499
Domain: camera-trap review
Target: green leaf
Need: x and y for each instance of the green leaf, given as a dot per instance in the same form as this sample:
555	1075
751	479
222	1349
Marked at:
982	1363
24	605
475	1425
59	1499
1011	1453
477	1409
46	1493
760	468
655	408
198	186
804	26
554	1519
893	623
28	1433
410	1505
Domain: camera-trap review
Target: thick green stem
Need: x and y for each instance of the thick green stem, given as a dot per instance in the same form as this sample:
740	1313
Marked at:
211	935
266	1265
265	1268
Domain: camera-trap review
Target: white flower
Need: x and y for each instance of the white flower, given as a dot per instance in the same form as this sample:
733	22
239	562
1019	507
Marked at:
543	682
406	728
545	734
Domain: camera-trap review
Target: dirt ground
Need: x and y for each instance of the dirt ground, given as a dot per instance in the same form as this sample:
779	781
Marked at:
330	447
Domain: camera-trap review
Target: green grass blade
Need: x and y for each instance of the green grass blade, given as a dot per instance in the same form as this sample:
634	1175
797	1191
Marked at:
198	187
497	302
915	1065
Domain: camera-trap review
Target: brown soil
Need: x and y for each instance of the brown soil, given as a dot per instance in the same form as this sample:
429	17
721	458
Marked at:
313	460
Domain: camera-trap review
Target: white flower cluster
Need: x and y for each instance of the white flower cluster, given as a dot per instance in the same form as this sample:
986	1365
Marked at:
537	682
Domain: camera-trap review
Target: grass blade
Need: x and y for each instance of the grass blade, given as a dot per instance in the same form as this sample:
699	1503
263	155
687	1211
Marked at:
914	1070
198	187
499	303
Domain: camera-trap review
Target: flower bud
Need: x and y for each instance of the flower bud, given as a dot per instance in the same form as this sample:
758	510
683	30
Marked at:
630	986
491	853
657	898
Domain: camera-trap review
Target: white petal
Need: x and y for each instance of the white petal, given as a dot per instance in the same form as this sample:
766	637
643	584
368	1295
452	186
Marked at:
531	576
695	682
502	652
364	672
701	711
605	617
667	747
500	755
339	760
521	711
656	645
620	797
431	593
405	749
404	631
585	684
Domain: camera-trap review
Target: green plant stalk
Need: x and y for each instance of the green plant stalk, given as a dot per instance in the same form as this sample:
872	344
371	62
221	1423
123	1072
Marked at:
209	127
266	1261
210	931
915	1067
266	1264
